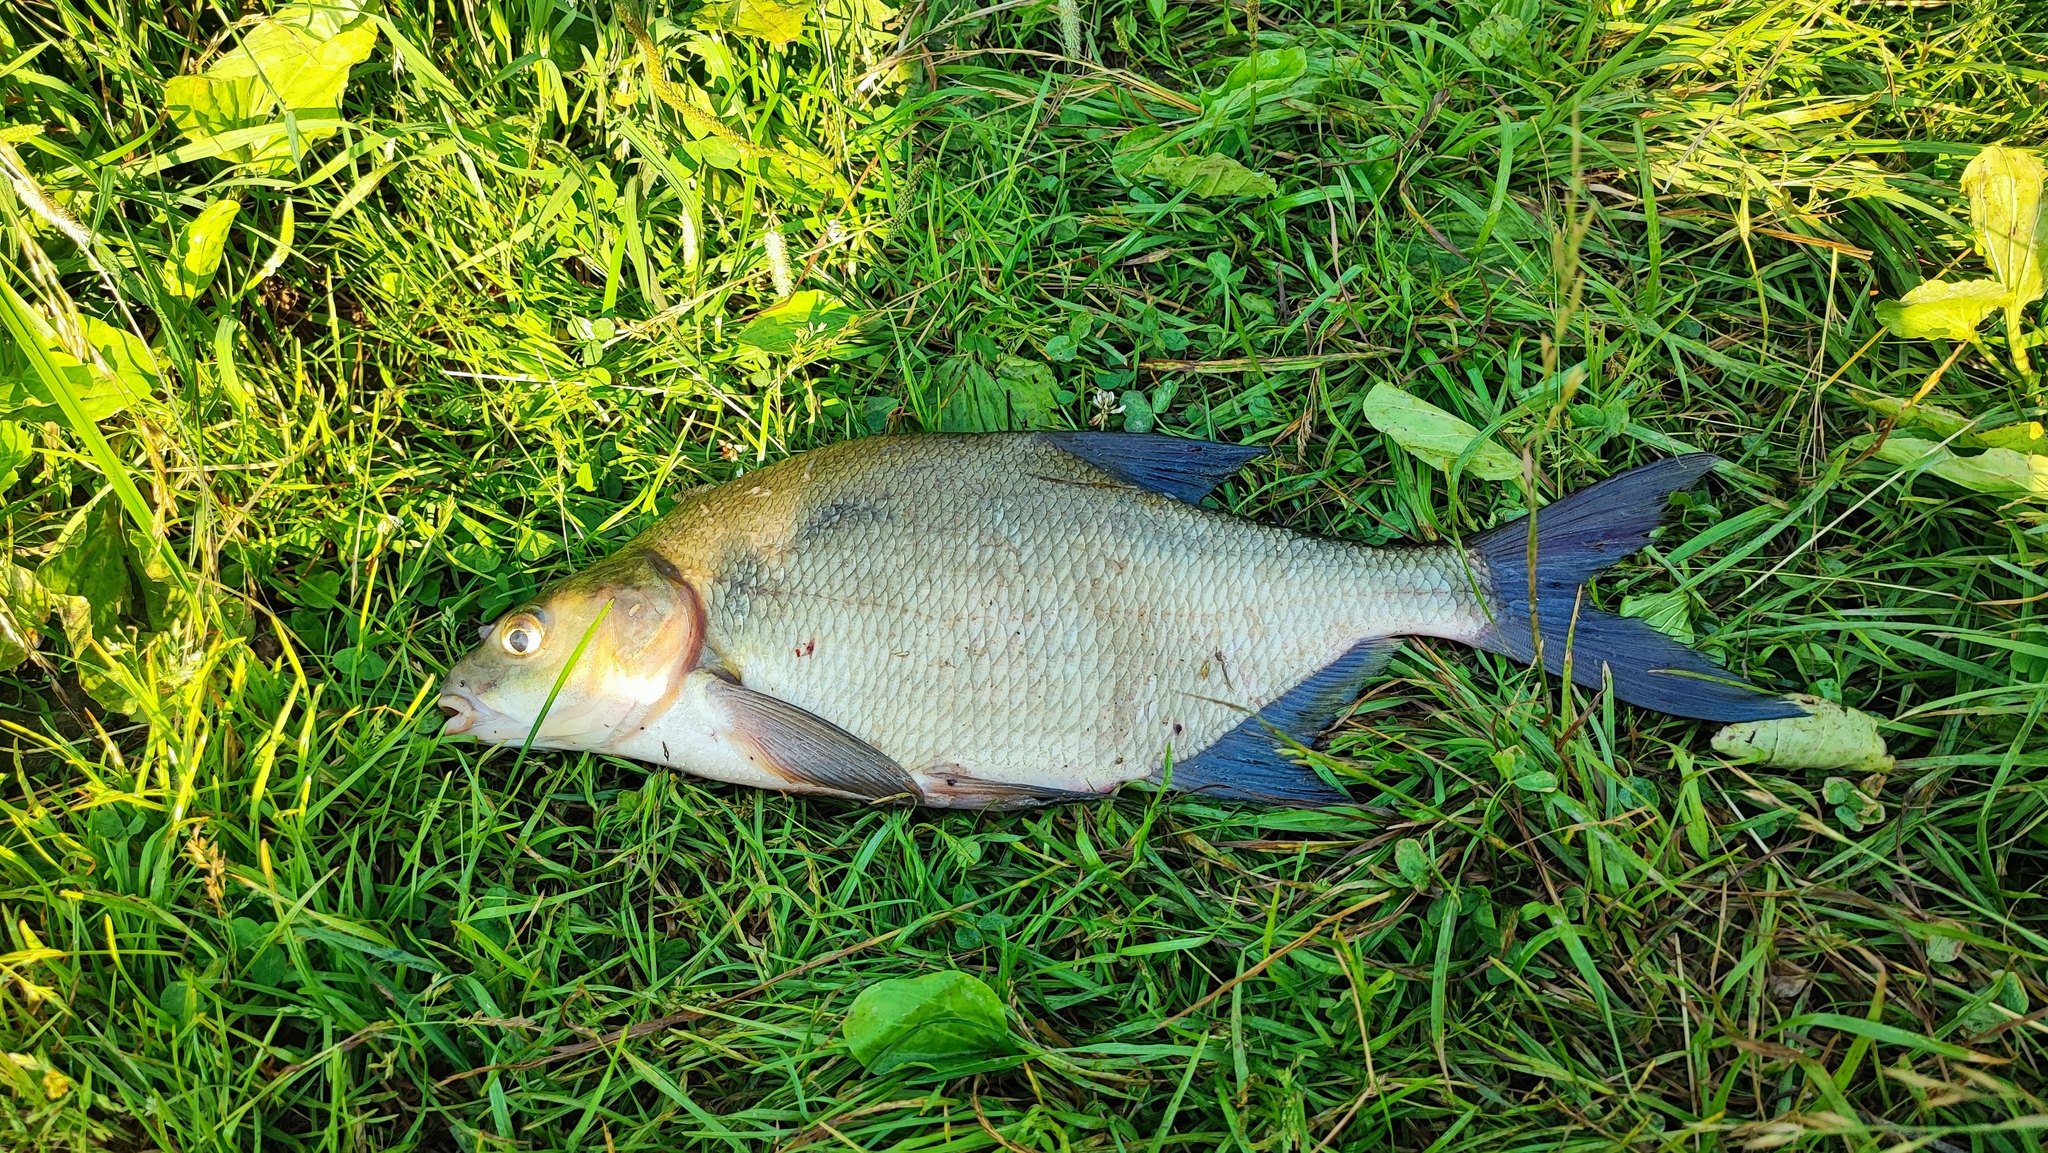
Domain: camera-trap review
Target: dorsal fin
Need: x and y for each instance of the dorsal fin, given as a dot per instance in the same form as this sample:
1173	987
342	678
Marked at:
1179	467
1247	764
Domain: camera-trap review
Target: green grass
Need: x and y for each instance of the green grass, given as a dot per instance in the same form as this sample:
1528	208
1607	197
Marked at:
251	900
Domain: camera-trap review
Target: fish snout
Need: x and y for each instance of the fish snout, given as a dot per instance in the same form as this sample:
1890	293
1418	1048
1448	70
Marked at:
462	710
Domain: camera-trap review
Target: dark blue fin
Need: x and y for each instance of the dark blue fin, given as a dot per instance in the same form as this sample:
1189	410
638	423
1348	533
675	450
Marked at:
1249	764
1183	469
1577	537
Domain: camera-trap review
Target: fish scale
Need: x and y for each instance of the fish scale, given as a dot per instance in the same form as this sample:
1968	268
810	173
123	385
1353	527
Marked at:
1011	615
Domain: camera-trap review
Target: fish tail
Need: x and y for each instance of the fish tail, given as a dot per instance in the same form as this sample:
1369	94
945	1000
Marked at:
1575	538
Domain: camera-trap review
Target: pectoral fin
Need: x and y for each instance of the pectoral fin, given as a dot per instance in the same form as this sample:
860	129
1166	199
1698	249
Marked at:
812	753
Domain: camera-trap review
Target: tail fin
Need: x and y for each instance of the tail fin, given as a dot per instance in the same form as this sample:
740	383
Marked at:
1575	538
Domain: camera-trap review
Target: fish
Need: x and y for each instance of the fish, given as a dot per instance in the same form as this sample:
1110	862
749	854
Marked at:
1003	620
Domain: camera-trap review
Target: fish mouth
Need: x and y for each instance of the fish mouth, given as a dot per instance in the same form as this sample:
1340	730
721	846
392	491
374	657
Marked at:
468	715
463	712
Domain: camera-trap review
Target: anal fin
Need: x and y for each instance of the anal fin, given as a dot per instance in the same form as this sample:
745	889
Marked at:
1249	762
950	787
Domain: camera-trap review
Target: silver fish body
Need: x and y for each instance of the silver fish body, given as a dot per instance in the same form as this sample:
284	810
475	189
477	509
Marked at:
962	621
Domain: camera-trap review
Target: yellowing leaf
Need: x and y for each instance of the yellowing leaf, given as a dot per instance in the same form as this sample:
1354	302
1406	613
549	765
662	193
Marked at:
1995	471
197	254
769	20
296	60
2004	187
1829	737
286	227
16	964
24	604
16	1070
1213	175
1943	309
1434	435
92	562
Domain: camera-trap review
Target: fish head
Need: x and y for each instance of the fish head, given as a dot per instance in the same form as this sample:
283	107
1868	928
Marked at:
588	659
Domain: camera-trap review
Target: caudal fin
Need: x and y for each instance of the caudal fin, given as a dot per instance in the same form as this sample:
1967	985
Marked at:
1575	538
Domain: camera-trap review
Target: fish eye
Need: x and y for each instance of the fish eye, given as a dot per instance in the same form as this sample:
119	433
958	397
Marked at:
521	635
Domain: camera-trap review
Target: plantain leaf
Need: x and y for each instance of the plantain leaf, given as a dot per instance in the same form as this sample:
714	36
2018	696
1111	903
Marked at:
108	588
1021	393
930	1020
1995	471
1031	388
297	60
2026	436
129	371
1943	309
124	354
21	323
17	448
1135	149
1434	435
1980	1012
1828	737
1942	422
805	315
1669	613
1259	84
866	23
1264	73
196	256
2004	187
1213	175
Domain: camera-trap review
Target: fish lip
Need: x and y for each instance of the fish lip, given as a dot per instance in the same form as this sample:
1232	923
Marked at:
464	711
